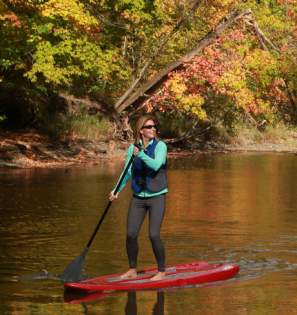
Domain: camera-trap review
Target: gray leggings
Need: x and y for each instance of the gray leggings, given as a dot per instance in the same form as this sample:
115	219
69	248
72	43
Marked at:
137	211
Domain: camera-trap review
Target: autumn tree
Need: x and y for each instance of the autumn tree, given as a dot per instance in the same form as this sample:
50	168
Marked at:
99	53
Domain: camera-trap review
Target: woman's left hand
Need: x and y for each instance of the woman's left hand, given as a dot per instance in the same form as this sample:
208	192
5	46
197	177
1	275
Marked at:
113	196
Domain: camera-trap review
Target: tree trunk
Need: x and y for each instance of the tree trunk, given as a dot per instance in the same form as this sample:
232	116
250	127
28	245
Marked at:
139	95
157	51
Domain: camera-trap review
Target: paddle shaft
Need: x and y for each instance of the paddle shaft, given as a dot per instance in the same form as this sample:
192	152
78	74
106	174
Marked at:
110	202
73	270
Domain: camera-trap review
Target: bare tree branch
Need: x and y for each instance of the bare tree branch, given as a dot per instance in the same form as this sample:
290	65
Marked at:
251	21
185	136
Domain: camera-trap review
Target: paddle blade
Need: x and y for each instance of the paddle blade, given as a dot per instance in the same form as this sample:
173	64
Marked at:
72	272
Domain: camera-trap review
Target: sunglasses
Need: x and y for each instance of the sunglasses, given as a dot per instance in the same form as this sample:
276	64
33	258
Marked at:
150	127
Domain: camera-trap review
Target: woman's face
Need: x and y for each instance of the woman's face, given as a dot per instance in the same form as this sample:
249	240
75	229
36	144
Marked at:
149	129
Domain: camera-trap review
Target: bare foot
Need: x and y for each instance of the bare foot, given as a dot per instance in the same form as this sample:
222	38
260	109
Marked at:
130	274
158	276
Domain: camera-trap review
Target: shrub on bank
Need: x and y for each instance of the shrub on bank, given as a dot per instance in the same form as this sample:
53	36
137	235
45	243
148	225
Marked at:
79	126
275	133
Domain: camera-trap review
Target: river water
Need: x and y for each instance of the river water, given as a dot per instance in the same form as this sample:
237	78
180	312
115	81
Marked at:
239	208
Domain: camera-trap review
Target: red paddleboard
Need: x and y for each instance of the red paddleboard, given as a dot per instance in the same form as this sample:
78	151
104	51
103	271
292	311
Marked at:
178	275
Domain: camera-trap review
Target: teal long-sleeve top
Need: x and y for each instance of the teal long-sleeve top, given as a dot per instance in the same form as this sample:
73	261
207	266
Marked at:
155	164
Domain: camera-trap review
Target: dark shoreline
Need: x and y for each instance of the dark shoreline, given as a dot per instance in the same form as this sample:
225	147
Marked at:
33	150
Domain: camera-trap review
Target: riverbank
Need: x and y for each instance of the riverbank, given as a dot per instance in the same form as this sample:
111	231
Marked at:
33	150
29	149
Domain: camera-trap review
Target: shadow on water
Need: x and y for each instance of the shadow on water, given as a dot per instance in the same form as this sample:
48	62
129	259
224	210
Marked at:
131	304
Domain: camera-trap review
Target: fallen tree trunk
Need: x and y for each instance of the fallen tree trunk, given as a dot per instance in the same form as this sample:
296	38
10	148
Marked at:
145	90
157	51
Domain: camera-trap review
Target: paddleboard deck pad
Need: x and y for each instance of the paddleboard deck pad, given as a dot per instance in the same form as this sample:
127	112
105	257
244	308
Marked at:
178	275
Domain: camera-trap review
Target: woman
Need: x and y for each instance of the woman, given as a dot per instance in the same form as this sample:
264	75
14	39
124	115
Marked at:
149	186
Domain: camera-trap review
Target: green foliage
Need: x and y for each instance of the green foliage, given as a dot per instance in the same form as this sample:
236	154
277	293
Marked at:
2	118
240	73
71	11
90	127
174	124
96	48
70	60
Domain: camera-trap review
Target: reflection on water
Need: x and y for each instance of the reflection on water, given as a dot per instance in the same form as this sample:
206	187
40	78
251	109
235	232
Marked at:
237	208
130	307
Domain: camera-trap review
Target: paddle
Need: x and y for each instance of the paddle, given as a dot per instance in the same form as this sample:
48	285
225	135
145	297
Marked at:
73	270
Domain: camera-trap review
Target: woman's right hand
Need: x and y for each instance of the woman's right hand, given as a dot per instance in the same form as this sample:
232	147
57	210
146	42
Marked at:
113	196
135	150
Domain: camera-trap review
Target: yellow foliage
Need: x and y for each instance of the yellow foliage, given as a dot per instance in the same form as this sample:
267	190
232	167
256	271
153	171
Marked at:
177	87
215	10
244	98
70	10
169	8
233	79
259	58
233	83
263	65
191	104
263	106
